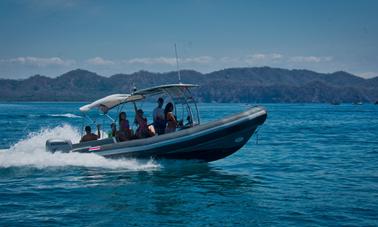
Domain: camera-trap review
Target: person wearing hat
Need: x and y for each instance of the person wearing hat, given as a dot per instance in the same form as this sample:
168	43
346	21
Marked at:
158	117
89	136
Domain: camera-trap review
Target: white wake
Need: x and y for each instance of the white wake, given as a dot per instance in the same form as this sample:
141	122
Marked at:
67	115
31	152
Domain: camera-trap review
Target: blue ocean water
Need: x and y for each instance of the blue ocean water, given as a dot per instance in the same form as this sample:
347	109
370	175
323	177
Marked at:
310	165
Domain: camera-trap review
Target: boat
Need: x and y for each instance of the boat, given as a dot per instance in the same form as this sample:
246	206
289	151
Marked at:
335	103
193	141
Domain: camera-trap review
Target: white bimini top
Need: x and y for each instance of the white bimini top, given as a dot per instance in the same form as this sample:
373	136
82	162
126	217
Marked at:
111	101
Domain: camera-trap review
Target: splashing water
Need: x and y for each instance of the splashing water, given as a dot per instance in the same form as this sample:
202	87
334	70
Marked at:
31	152
67	115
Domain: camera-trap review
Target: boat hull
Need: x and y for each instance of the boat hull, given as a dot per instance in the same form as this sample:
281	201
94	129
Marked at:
207	142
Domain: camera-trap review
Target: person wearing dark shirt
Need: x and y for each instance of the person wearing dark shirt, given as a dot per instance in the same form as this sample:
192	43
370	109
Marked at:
158	117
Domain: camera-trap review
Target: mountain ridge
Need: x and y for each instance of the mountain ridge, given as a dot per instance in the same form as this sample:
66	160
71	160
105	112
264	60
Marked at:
253	84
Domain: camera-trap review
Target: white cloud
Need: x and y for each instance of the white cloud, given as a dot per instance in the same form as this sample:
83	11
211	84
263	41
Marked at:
276	56
310	59
51	65
367	74
228	60
152	61
40	62
259	58
252	59
171	61
198	60
99	61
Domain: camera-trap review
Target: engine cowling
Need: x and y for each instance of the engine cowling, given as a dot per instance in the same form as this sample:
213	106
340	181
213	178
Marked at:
53	145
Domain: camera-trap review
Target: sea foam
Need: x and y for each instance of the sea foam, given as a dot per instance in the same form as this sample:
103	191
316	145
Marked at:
67	115
31	152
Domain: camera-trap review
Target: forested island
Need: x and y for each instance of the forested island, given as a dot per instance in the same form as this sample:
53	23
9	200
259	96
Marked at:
247	85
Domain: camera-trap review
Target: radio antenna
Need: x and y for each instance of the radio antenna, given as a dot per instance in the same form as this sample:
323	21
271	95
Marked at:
177	63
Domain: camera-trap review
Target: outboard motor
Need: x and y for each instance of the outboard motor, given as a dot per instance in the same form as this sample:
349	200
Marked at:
53	145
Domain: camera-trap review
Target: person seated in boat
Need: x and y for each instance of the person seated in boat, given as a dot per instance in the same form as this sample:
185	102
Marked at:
89	136
188	124
114	133
124	132
113	130
143	130
170	118
158	117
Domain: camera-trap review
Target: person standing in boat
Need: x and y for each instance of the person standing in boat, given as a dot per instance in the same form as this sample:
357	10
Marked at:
170	118
124	127
158	117
89	136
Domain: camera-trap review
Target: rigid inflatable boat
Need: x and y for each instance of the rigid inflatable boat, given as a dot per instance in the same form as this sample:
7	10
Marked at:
192	141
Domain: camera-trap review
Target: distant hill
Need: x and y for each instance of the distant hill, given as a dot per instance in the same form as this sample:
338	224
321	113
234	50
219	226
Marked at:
258	84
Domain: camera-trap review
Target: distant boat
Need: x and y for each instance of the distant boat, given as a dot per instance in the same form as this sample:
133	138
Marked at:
335	103
376	102
357	103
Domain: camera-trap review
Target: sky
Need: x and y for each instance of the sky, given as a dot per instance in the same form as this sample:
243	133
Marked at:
51	37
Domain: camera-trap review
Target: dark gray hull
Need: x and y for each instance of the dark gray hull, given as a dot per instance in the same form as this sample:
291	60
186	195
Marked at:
207	142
